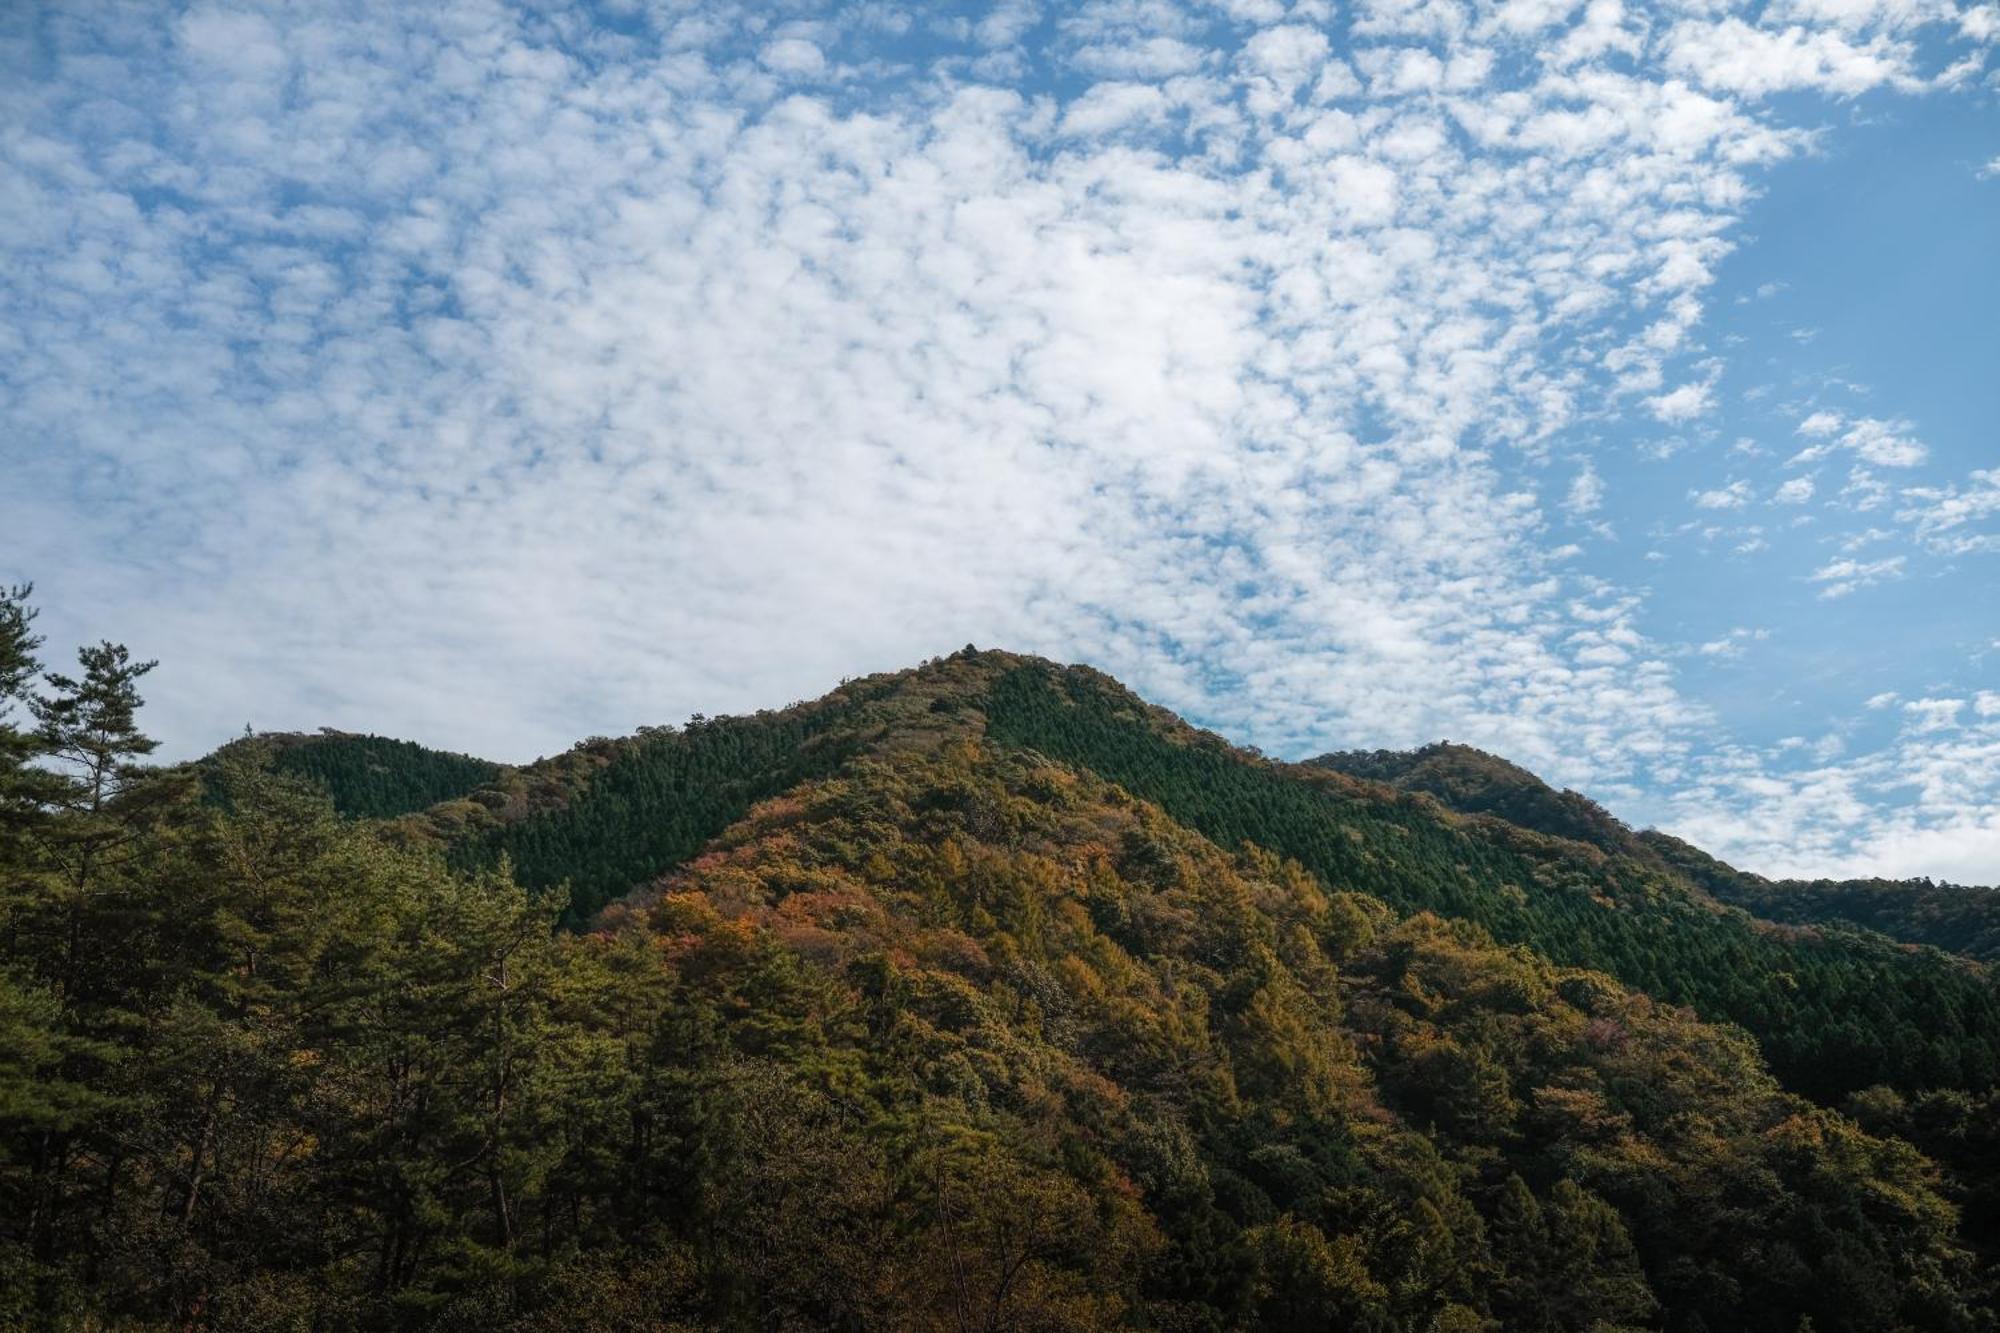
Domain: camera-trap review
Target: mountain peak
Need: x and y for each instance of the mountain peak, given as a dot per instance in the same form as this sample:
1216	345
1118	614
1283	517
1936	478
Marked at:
1473	781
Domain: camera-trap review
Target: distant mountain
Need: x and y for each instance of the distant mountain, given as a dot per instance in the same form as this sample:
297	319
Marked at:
1475	782
373	777
1956	918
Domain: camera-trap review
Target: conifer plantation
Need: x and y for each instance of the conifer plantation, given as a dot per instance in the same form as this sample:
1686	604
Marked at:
977	996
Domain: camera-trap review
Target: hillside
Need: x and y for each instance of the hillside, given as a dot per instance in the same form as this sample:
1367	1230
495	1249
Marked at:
373	777
1955	918
1474	782
1835	1010
1958	918
981	995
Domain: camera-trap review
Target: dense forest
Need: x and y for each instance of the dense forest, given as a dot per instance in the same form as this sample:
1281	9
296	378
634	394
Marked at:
1956	918
976	996
1835	1010
374	777
1477	783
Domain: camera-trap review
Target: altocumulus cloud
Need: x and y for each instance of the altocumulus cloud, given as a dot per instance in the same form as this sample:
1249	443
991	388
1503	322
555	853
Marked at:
497	376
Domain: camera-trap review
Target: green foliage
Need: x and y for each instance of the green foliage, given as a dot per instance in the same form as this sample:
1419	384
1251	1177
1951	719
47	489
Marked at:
1957	918
24	787
936	1034
1834	1012
619	814
1475	782
656	802
1022	939
373	777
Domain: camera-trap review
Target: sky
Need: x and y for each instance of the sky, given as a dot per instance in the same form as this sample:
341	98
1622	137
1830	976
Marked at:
1610	386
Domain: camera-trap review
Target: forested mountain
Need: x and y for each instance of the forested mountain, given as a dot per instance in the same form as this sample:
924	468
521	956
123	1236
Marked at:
374	777
1474	782
1957	918
1834	1011
976	996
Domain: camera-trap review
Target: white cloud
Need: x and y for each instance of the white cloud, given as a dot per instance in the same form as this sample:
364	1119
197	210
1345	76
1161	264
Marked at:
1794	492
1956	519
1923	803
410	369
1287	55
1847	574
1734	56
1884	443
1733	496
1683	404
1007	23
793	55
1155	57
1731	645
1523	18
1586	492
238	44
1864	492
1933	714
1115	106
1862	15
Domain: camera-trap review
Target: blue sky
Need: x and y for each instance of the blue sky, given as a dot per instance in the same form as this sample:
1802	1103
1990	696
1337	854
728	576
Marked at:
1609	385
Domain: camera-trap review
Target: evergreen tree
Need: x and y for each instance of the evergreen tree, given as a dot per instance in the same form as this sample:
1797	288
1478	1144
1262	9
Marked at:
935	1033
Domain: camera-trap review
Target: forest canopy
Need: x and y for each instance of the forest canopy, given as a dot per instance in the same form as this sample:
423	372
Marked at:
975	996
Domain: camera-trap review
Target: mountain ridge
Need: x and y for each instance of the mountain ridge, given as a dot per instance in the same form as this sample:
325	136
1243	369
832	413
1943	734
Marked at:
609	817
1464	779
1955	918
979	995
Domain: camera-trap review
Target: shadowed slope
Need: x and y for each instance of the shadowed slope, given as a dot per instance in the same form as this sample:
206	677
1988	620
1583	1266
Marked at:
373	777
1956	918
1475	782
1835	1010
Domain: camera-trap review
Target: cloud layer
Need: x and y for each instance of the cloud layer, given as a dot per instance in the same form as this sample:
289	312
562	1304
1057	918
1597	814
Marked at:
494	377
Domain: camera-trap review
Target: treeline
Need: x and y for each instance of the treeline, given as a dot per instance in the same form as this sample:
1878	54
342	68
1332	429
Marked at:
947	1037
1834	1012
656	800
1958	918
1475	782
374	777
950	1038
1955	918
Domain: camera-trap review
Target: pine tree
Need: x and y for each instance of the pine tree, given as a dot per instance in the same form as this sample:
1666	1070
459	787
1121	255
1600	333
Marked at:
23	787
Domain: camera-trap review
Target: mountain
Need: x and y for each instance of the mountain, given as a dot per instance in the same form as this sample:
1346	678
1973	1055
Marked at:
1474	782
1836	1010
979	995
1956	918
374	777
